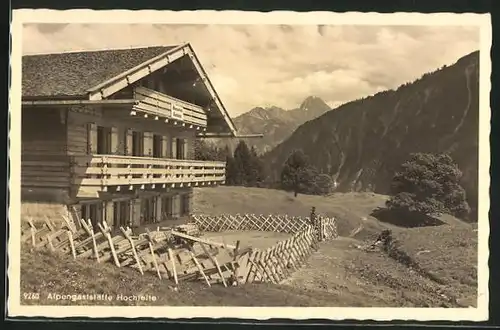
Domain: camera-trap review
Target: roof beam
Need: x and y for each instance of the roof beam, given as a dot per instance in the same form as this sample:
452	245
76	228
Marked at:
128	77
210	88
79	102
228	135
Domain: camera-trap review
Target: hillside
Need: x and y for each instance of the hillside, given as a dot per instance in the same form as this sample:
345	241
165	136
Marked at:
447	250
338	274
364	142
275	123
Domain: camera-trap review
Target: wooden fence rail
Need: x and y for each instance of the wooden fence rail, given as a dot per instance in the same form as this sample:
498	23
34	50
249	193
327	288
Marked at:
275	223
179	254
278	262
169	253
326	227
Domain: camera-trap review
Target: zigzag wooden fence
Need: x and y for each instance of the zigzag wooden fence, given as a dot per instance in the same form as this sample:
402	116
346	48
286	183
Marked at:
275	223
278	262
180	254
325	227
169	253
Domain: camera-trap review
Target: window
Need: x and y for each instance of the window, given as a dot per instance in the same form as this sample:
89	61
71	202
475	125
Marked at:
157	146
92	211
148	210
166	207
103	140
180	147
149	83
137	144
185	205
121	214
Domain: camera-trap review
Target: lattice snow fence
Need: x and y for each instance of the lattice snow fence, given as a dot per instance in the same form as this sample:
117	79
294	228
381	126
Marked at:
275	223
278	262
326	227
169	253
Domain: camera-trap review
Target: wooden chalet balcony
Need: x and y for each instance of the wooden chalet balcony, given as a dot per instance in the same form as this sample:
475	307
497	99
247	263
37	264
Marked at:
164	106
97	173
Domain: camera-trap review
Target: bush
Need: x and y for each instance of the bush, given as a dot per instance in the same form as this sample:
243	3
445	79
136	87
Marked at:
299	176
322	185
429	184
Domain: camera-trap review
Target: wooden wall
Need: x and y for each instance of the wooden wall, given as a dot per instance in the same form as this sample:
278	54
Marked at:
106	206
45	174
43	131
79	131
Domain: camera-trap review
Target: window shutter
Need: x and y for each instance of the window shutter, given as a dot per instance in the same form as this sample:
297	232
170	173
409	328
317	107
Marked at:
109	211
174	148
148	144
136	212
185	148
128	142
158	215
166	149
91	138
114	141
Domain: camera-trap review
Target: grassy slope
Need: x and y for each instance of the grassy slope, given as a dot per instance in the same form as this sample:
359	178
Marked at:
45	273
350	208
448	251
338	275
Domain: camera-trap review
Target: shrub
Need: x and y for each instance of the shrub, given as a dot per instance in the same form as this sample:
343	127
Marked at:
429	184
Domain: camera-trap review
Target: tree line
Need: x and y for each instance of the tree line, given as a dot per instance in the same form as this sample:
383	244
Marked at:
426	184
244	167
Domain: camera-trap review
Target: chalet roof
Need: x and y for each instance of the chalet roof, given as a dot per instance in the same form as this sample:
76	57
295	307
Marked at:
96	75
72	74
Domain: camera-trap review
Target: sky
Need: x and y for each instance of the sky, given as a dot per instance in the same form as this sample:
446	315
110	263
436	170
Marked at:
280	65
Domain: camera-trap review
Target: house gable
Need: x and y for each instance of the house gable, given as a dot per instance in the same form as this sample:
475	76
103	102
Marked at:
191	84
69	75
89	83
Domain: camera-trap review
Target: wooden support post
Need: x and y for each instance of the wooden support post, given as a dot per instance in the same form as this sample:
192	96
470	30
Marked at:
200	269
48	223
49	241
69	224
205	241
235	272
171	257
71	243
153	255
134	251
251	268
106	231
33	239
94	243
215	263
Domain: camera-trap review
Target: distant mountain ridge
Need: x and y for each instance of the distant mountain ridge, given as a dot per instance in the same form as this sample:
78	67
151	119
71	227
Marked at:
362	143
275	123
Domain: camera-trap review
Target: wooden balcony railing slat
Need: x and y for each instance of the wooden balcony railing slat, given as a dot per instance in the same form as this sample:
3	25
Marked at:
156	103
112	170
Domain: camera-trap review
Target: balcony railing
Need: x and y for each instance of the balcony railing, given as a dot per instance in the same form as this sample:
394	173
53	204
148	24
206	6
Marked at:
99	172
162	105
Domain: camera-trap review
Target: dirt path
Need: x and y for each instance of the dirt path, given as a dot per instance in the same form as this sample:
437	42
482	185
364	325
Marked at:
366	278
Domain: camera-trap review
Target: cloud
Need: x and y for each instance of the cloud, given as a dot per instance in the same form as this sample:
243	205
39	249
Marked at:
259	65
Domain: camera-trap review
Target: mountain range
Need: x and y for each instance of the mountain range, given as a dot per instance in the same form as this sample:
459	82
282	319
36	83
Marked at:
361	144
276	124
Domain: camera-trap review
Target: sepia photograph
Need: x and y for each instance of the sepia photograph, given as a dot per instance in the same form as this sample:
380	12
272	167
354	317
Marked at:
276	165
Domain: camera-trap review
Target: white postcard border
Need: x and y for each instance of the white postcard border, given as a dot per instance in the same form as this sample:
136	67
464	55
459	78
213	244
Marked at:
483	21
